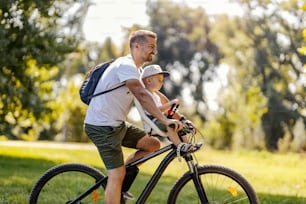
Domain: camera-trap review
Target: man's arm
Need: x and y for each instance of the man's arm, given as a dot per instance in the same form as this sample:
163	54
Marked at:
146	101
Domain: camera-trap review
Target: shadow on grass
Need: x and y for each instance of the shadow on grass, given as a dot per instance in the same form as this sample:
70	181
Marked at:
19	175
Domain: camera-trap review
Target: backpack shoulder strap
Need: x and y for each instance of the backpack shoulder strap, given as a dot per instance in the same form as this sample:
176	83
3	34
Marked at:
109	90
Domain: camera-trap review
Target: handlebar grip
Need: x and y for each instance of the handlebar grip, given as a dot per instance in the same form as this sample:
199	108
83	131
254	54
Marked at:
172	110
173	107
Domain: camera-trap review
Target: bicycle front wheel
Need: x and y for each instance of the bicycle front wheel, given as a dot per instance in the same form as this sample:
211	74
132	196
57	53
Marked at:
221	186
63	183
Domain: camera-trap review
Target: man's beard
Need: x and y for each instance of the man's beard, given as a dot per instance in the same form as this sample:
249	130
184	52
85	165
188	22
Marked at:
150	58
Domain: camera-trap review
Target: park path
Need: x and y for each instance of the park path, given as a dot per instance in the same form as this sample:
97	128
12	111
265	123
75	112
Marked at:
48	144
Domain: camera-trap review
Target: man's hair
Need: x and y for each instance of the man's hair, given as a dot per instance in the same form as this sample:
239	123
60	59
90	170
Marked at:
139	36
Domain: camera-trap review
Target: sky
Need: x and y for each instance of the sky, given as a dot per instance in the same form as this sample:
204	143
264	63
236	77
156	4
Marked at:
105	18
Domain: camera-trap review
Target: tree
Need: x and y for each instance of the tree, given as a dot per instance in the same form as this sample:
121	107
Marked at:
35	37
108	51
241	102
267	56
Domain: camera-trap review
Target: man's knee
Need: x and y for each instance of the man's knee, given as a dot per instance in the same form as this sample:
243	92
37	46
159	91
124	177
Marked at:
116	174
155	144
148	144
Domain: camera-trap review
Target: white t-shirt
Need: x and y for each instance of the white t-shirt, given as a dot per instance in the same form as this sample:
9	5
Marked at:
155	98
111	108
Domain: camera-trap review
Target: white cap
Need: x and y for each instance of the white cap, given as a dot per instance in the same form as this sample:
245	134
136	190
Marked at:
153	70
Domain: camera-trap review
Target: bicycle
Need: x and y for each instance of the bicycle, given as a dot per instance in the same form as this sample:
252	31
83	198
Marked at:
208	184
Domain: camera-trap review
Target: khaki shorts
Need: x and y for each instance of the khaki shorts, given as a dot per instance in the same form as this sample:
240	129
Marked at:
109	140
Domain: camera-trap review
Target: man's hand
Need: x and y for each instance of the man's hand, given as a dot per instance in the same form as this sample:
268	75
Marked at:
173	124
190	126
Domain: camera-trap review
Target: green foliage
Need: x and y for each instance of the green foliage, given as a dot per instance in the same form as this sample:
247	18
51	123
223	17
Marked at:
277	64
108	51
244	116
70	122
25	112
35	36
261	49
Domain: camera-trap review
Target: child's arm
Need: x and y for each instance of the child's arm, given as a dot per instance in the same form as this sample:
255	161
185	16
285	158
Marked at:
166	106
166	102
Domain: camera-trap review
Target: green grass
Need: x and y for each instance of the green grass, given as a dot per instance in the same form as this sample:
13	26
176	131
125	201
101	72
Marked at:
277	178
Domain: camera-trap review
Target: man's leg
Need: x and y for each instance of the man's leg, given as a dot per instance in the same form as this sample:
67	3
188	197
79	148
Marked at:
108	141
173	136
145	145
114	183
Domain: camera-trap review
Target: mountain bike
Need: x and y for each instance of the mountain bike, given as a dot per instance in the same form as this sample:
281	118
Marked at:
73	183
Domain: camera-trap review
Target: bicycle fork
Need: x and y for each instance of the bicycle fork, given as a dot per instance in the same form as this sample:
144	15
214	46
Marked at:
196	179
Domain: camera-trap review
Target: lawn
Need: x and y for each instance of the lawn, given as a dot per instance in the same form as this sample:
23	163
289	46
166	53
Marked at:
277	178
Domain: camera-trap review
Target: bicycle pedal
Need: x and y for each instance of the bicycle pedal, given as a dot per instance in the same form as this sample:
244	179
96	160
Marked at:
128	196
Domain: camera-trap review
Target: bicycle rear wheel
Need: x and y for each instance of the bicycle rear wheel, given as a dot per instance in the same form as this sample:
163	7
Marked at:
221	186
65	182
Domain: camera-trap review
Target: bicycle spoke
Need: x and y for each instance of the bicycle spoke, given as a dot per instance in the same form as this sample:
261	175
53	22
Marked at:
222	189
221	186
65	187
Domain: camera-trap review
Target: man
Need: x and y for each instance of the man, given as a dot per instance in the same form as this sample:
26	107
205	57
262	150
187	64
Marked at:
106	114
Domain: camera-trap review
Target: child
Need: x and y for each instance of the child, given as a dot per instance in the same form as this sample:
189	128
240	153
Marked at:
153	78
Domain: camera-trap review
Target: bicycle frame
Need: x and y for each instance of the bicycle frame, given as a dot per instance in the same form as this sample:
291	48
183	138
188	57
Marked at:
159	171
163	166
155	177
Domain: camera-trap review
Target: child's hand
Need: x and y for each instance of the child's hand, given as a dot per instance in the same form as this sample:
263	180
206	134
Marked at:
175	101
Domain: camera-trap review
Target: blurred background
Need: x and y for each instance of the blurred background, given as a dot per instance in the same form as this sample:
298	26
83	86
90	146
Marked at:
238	66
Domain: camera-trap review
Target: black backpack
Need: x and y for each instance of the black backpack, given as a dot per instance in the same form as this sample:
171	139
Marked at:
90	83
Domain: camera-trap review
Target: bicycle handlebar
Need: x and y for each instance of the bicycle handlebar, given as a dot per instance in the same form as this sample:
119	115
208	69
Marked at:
172	110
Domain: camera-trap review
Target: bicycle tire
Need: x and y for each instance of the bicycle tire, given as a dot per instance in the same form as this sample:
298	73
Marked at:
221	185
63	182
